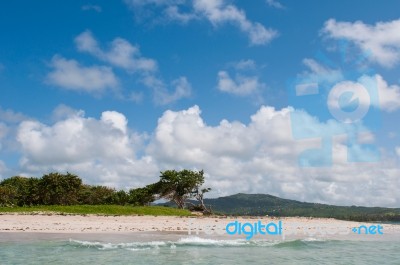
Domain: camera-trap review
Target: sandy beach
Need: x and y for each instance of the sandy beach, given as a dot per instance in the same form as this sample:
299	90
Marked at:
293	227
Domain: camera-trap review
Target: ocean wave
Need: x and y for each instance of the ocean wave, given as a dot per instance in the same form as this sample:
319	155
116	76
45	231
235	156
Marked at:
193	241
129	246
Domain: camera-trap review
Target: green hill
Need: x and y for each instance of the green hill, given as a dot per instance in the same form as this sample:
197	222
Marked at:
264	204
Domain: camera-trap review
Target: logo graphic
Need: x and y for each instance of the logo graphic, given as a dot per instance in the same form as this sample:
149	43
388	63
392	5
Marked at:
278	228
368	230
344	100
251	229
238	228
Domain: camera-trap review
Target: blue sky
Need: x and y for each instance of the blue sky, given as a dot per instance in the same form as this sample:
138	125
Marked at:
116	91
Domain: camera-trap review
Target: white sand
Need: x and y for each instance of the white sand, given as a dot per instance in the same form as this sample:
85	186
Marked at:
292	227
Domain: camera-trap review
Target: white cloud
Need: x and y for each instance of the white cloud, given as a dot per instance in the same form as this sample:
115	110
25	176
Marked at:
101	151
9	120
218	12
74	139
241	86
321	73
69	74
10	116
381	42
63	112
127	56
173	13
121	53
397	149
261	157
215	11
389	95
275	4
245	65
256	157
96	8
162	95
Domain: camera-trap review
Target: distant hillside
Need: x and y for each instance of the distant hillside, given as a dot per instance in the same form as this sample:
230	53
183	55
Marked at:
263	204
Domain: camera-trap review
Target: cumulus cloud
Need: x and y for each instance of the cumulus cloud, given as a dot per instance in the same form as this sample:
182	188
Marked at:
162	95
381	42
128	57
388	95
321	73
241	86
121	53
101	150
275	4
217	12
10	116
173	13
245	65
245	82
69	74
9	121
261	157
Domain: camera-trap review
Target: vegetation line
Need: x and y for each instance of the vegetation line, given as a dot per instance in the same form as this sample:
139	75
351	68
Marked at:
98	210
66	193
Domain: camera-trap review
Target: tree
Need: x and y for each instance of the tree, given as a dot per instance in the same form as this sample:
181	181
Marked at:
120	197
142	196
22	190
7	196
18	189
199	195
178	186
33	197
60	189
96	195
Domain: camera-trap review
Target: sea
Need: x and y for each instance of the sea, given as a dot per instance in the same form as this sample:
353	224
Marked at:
175	249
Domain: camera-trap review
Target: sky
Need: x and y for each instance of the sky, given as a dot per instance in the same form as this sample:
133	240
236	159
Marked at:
298	99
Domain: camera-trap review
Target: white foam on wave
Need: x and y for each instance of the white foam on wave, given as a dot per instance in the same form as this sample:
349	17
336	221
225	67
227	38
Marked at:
138	249
133	245
313	239
185	241
211	242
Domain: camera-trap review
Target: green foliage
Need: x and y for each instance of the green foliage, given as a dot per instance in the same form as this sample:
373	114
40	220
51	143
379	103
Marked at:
67	189
142	196
178	186
99	209
60	189
19	191
96	195
7	196
120	197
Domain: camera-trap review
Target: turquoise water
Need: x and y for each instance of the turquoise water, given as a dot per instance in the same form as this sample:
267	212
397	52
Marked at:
197	250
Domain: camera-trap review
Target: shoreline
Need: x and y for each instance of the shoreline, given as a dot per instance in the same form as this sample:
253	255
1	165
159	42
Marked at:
39	225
